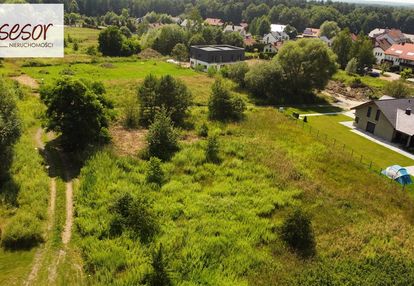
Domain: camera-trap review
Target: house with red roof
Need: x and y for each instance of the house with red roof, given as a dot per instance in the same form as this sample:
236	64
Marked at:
380	46
400	55
214	22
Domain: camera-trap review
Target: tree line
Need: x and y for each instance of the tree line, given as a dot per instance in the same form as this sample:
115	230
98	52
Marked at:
297	13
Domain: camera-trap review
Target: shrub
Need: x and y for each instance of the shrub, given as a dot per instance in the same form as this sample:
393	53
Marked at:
10	128
297	232
166	92
397	89
131	114
352	66
356	83
212	150
91	50
162	137
203	130
134	214
67	71
159	276
237	72
222	105
75	46
211	71
406	73
154	174
22	232
180	52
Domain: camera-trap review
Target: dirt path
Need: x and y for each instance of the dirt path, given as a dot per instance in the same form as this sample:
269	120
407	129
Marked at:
38	260
26	80
67	231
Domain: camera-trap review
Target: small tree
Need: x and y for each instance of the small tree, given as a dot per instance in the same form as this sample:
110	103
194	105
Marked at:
297	232
162	137
159	276
78	110
329	29
397	89
351	67
222	106
203	131
110	41
180	52
212	150
406	74
10	128
237	72
155	174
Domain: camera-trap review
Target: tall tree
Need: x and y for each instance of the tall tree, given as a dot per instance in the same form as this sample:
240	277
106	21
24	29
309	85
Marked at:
342	45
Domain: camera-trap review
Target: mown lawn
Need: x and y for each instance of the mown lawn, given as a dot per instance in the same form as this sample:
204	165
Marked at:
380	156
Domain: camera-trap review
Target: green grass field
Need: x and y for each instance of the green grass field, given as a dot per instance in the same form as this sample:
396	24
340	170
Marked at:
372	82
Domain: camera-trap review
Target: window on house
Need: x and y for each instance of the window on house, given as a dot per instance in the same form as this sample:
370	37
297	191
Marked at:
369	111
377	115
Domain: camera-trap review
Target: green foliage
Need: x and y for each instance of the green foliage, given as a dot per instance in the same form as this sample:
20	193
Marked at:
162	137
342	45
131	114
362	51
75	46
159	276
352	66
397	89
237	72
233	39
297	232
10	127
212	150
329	29
168	38
406	74
180	52
203	130
78	110
211	71
155	175
91	50
134	214
113	43
222	105
168	93
22	232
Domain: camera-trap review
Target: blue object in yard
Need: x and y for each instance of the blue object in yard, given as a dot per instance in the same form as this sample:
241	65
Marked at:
398	174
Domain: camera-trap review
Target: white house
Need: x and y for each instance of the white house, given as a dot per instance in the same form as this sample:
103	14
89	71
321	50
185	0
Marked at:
272	47
274	37
381	45
277	28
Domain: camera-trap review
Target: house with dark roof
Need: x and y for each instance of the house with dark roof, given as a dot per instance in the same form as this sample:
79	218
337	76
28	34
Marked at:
388	118
380	46
205	56
311	33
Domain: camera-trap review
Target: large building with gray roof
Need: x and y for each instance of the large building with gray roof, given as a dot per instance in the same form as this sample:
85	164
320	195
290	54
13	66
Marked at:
215	55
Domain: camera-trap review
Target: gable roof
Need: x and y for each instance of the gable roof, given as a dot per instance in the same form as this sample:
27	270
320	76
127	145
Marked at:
311	32
214	22
395	112
376	32
383	44
402	51
234	28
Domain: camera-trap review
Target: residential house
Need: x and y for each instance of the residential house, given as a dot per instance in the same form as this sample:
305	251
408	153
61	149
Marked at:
274	37
237	29
277	28
214	22
380	46
273	47
388	118
311	33
400	55
326	40
187	23
249	41
393	36
215	55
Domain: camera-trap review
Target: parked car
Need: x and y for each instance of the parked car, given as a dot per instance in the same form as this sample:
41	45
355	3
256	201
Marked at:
374	74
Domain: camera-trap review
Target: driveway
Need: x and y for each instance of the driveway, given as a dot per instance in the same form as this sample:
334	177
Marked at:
390	76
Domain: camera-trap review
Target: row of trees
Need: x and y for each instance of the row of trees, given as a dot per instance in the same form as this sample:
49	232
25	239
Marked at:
298	13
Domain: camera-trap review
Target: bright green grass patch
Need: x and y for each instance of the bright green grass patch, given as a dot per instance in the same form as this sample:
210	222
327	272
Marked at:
370	81
381	156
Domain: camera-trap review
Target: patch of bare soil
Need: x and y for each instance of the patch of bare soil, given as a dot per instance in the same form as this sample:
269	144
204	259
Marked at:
362	93
149	54
128	142
26	80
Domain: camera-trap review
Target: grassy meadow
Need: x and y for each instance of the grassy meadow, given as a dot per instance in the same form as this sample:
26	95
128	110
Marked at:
218	223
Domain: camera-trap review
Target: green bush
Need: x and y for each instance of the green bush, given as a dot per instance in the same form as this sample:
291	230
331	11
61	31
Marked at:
162	137
203	130
212	150
222	105
159	276
237	72
397	89
297	232
154	173
23	231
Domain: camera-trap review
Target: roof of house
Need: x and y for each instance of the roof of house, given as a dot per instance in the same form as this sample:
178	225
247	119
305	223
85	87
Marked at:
234	28
383	44
277	28
402	51
214	22
410	37
217	48
376	32
312	32
249	41
395	35
395	112
354	37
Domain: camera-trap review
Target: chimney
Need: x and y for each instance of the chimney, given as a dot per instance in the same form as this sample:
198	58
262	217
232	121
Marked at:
408	111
